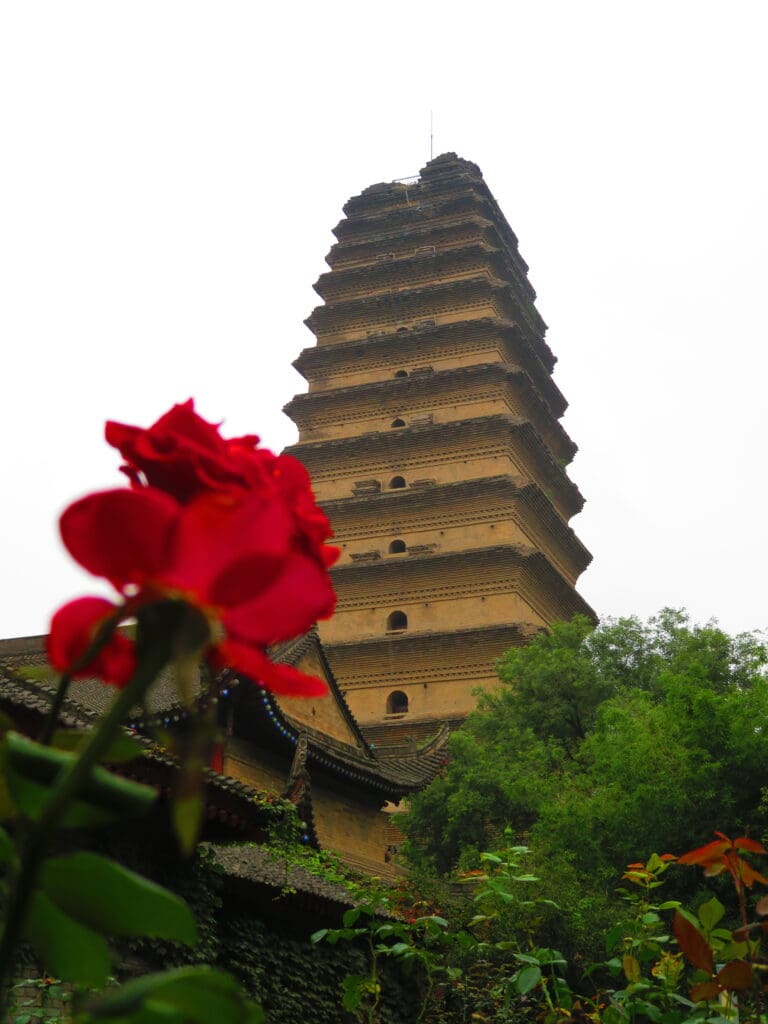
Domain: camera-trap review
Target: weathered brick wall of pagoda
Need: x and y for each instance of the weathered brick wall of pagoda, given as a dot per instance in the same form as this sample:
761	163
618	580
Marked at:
432	431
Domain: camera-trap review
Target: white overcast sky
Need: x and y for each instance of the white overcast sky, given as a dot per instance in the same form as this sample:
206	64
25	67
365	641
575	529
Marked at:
170	173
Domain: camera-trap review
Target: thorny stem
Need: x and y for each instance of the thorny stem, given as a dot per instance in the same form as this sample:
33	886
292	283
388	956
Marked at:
70	781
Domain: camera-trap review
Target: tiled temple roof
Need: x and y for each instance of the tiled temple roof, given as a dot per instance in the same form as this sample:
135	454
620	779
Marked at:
233	802
257	864
355	765
392	777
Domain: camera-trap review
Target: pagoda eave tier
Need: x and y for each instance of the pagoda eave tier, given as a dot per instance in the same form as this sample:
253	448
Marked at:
408	269
422	446
422	238
378	225
448	298
402	205
503	568
439	657
434	195
421	339
512	634
439	386
485	499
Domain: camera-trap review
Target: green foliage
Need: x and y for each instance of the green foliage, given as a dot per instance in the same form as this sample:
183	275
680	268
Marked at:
31	770
296	981
600	742
188	995
66	947
105	896
70	906
414	942
552	688
665	964
39	1001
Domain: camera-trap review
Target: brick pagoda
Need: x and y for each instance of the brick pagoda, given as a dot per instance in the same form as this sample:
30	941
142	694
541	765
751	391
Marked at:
431	429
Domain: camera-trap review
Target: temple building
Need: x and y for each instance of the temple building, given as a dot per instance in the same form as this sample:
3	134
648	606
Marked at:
272	751
432	432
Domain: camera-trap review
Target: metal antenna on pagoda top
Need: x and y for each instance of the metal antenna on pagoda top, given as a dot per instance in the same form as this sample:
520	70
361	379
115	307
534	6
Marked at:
431	136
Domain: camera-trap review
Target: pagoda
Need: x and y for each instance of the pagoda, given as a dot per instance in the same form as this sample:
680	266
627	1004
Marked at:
432	432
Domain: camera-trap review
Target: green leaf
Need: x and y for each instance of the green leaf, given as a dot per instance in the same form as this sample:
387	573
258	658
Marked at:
32	770
711	912
67	949
612	937
398	949
353	988
653	1013
105	896
527	979
490	858
189	995
351	916
31	798
441	921
523	958
318	936
122	749
187	815
631	967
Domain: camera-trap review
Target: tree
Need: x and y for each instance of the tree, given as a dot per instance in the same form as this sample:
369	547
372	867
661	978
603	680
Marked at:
607	744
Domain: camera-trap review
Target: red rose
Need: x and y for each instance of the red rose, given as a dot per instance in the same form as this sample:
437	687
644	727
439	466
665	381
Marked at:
231	529
74	628
185	455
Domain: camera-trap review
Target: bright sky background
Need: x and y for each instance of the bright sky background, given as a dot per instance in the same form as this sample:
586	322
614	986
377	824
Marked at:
171	172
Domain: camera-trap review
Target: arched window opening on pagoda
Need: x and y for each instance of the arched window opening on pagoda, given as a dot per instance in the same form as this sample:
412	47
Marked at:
401	373
397	547
397	703
398	422
401	330
397	620
397	481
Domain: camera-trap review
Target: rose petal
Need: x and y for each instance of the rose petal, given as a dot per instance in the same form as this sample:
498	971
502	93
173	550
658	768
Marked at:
181	454
300	595
180	421
228	548
73	629
282	679
122	535
329	554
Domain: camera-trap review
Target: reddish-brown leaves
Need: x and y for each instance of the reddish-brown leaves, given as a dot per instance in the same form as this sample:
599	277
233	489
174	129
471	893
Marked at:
693	944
